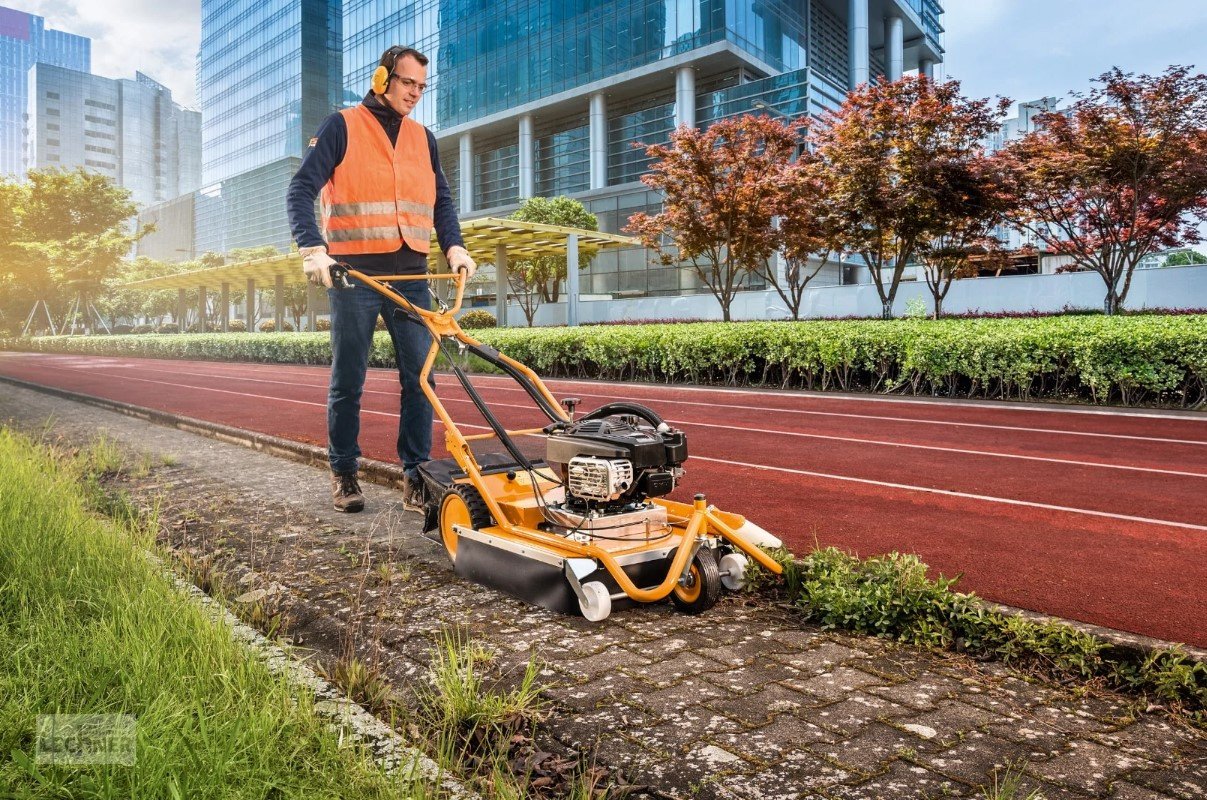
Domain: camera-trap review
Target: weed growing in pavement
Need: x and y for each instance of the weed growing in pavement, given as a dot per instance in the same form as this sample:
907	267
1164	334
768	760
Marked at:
468	703
1007	785
362	683
890	596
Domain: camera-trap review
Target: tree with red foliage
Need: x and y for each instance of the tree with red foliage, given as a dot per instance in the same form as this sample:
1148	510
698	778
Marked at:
808	230
975	200
893	152
721	190
1121	174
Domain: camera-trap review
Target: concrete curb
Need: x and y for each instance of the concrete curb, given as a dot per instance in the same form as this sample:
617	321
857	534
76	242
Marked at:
390	475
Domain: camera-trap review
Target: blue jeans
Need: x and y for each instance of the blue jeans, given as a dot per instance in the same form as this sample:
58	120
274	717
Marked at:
354	312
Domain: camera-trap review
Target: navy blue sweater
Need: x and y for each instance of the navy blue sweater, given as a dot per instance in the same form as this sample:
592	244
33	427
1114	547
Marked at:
325	153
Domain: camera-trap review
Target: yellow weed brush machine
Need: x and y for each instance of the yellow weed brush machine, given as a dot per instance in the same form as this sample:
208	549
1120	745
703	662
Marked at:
587	526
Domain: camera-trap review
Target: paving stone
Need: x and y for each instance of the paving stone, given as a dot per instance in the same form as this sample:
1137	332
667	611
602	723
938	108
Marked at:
771	742
922	693
1127	791
822	658
1154	738
872	750
848	716
952	719
609	661
1088	766
796	776
761	707
673	669
751	679
1186	781
902	781
973	759
670	701
835	684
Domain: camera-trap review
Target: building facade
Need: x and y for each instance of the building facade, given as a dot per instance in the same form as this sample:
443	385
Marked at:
267	75
129	130
25	41
540	99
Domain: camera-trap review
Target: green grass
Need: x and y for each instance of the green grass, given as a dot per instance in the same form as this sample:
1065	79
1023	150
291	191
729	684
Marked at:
89	625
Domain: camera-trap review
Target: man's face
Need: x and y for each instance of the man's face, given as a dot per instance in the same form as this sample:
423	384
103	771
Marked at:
407	85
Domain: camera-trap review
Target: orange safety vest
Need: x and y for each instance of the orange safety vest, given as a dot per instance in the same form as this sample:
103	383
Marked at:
379	197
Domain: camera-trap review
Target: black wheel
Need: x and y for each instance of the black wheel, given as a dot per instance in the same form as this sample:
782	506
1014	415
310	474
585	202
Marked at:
461	505
703	587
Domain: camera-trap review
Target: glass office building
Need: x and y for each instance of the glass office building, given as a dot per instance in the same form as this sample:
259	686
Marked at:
25	41
547	97
267	75
129	130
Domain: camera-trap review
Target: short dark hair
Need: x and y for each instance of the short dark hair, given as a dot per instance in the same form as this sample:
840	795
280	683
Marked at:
391	56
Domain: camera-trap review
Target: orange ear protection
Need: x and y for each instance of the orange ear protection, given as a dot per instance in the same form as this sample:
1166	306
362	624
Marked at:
383	74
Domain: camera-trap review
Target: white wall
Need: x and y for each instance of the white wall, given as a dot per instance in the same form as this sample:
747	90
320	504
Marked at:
1171	287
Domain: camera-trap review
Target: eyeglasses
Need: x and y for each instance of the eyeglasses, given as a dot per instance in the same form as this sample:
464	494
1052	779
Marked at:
410	83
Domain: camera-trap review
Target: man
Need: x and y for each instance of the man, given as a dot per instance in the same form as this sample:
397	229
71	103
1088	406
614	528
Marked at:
382	193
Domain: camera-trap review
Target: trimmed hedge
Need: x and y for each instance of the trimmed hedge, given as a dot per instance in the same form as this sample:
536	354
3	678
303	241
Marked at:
1130	360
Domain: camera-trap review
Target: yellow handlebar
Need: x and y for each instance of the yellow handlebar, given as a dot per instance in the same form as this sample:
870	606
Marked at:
341	272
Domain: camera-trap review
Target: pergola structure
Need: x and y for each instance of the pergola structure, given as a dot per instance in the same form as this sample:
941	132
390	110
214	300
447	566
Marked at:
488	239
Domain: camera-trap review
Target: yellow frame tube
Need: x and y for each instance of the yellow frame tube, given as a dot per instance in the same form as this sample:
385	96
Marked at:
443	324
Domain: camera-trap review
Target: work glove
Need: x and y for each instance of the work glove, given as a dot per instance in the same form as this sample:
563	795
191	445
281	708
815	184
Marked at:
458	258
317	265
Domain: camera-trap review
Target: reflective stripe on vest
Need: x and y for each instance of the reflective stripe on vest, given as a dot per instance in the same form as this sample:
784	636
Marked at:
379	197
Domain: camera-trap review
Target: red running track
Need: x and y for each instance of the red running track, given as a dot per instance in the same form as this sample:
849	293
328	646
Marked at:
1090	514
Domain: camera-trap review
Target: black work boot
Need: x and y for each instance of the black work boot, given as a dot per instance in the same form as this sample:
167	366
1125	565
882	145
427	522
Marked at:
414	495
345	491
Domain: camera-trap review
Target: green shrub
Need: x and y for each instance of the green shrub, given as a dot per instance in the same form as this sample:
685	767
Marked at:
890	596
478	318
168	327
1125	359
237	326
323	324
270	326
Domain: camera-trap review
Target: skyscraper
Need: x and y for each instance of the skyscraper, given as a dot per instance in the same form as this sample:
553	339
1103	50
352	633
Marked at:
129	130
535	98
25	41
267	74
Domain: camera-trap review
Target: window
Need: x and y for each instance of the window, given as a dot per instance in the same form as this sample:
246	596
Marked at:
52	95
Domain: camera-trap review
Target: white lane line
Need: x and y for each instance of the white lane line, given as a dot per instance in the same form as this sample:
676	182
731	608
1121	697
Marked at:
786	393
824	437
962	451
509	385
847	478
964	495
990	405
772	411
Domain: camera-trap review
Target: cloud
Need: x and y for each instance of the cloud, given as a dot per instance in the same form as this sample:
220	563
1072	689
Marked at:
159	39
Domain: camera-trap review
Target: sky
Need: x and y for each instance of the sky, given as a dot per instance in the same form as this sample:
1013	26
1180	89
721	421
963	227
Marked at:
1021	49
1028	49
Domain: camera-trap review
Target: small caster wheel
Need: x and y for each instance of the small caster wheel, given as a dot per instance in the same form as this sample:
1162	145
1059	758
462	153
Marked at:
702	588
733	571
598	604
461	505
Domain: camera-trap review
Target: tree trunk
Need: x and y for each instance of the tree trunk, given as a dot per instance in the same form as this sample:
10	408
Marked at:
1111	304
887	312
938	306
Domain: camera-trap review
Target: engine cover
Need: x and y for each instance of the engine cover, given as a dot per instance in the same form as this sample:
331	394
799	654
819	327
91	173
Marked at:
612	462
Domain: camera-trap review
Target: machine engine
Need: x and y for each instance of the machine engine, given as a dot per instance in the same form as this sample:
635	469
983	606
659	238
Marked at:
609	462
